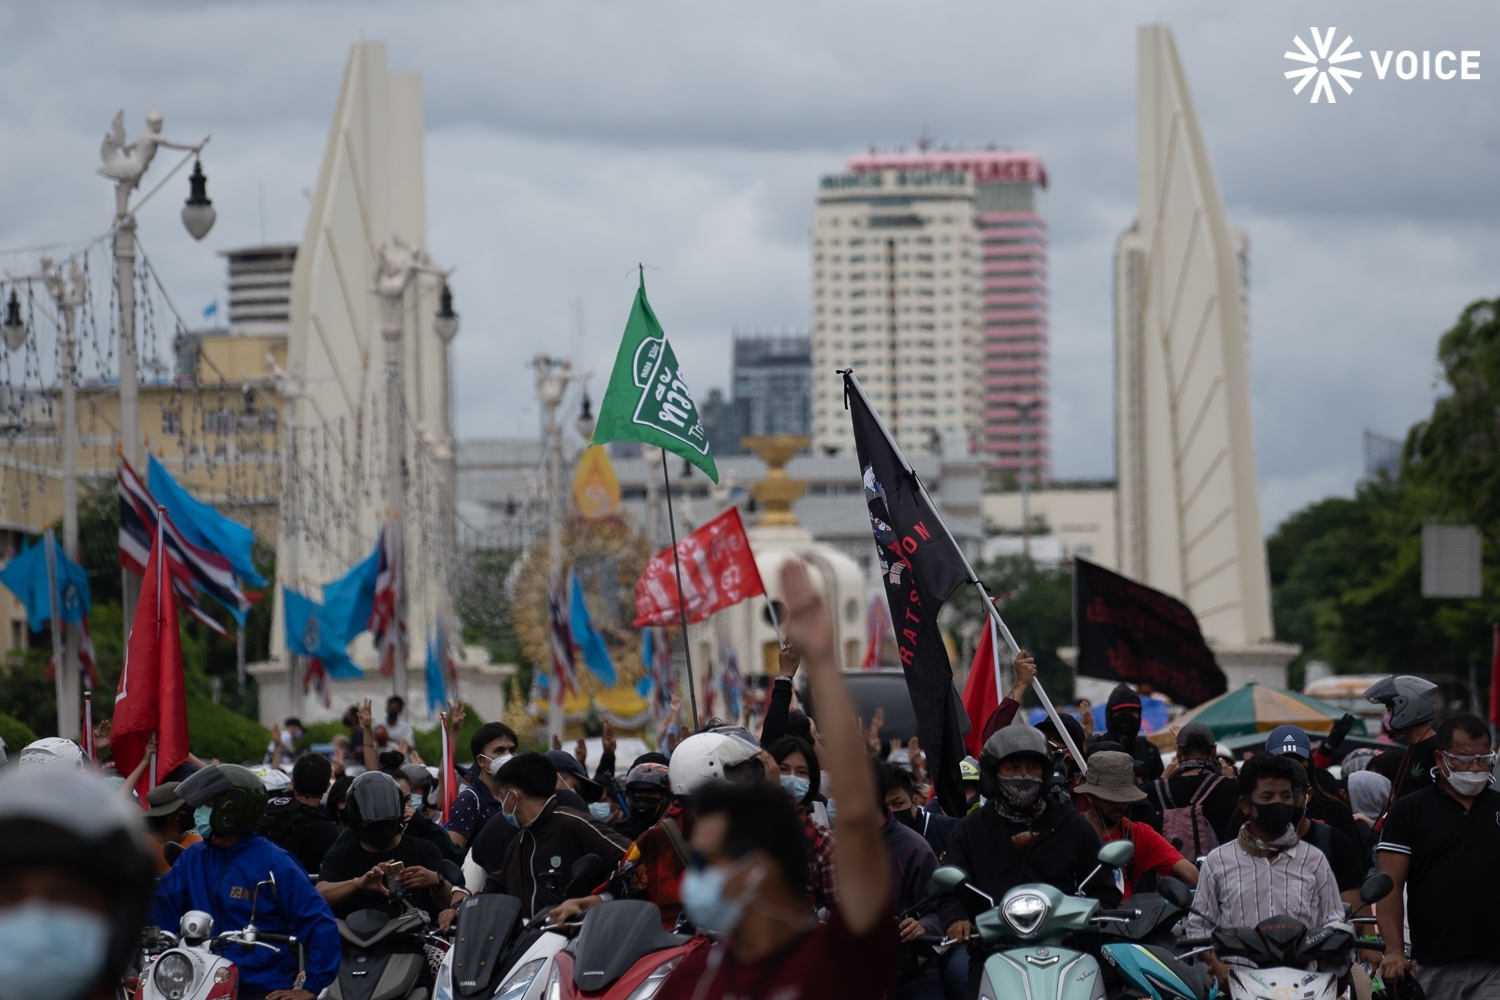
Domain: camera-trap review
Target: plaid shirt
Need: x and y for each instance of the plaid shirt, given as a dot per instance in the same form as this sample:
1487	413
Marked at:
651	869
821	889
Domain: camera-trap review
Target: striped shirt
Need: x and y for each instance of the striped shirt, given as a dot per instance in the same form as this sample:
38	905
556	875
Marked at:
1237	889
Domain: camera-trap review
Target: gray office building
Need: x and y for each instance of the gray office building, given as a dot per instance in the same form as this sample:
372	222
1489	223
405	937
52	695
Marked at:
772	384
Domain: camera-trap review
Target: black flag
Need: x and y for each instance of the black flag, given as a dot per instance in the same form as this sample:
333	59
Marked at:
1129	632
921	567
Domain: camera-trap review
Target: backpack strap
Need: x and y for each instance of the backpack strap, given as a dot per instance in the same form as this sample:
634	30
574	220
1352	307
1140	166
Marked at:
1163	795
674	835
1206	789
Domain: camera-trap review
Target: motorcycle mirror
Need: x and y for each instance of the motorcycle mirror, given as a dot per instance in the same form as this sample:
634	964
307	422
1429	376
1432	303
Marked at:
171	852
1174	891
588	871
1376	888
1117	853
450	871
945	880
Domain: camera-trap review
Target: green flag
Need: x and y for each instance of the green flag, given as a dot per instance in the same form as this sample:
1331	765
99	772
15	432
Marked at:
646	399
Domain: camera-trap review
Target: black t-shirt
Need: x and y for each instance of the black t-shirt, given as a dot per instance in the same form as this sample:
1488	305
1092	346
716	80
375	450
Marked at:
348	859
1412	774
1454	880
303	831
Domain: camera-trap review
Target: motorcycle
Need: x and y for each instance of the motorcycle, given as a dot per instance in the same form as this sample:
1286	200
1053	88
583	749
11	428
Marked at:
187	966
621	953
1281	951
1140	954
1025	930
385	956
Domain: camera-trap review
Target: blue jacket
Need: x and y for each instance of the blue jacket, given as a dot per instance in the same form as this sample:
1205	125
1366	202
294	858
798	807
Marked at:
220	881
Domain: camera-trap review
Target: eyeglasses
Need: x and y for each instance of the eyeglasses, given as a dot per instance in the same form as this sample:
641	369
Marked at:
1477	762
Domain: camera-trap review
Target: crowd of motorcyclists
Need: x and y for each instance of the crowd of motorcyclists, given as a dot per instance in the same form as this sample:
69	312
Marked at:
808	860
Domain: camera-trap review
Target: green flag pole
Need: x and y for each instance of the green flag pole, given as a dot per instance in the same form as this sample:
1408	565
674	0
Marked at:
687	645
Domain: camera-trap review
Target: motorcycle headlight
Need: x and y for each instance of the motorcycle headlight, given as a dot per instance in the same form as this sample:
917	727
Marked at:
173	975
652	983
520	981
1025	911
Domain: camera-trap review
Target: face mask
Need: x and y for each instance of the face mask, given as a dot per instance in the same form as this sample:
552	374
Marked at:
416	801
391	717
795	787
833	811
1126	725
496	763
1469	783
600	811
509	814
1273	818
704	903
201	821
380	832
1021	790
908	818
50	950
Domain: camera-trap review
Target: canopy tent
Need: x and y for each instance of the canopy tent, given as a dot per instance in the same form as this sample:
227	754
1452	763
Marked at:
1255	708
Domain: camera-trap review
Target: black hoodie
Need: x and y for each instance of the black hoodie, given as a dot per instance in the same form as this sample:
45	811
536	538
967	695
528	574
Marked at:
1142	749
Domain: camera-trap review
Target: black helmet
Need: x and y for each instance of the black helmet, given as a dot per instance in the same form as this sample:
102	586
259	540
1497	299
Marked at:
647	787
72	821
240	793
1010	741
374	796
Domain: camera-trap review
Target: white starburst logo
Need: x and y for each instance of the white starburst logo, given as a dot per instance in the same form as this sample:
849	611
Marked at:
1322	65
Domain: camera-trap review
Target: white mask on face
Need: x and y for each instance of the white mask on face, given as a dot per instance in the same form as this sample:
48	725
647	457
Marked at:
496	763
1469	783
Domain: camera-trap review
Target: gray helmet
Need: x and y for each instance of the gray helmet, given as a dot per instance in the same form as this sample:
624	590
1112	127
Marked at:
374	796
1411	700
1008	742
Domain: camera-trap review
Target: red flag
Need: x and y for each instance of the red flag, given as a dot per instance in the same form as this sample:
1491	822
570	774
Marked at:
1495	675
152	697
718	569
447	777
981	696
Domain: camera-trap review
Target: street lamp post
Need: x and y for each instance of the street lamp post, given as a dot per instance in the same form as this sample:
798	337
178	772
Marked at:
125	164
67	294
394	273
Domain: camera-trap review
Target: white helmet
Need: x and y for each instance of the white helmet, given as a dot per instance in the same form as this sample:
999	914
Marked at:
274	778
52	751
716	754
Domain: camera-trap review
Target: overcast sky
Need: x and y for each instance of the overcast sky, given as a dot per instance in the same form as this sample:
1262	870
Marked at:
568	140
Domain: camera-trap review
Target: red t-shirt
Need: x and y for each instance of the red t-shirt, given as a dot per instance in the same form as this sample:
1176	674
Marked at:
1152	853
828	961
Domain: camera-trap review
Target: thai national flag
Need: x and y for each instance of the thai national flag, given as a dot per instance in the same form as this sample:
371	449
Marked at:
191	568
387	625
563	665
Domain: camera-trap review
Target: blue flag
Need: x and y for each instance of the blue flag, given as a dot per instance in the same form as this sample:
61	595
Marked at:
26	577
308	635
202	525
347	601
590	642
437	688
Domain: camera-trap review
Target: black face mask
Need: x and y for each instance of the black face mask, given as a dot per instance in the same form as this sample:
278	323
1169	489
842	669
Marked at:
909	818
380	832
391	717
1126	726
1273	818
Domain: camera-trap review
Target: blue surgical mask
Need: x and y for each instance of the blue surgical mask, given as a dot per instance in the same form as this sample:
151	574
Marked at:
509	814
833	812
416	801
600	811
202	821
50	950
703	901
795	787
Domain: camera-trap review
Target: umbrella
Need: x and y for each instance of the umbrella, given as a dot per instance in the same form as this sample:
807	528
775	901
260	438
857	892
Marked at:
1255	708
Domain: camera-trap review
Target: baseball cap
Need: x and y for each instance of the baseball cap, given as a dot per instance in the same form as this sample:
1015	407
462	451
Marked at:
1197	736
1289	739
566	763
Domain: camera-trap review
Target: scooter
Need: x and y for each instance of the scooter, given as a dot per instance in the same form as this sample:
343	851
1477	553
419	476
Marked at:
1139	953
1025	931
186	965
621	953
385	957
1282	952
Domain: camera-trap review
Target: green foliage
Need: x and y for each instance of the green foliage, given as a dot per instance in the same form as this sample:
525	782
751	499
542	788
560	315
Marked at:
15	733
484	606
1346	573
217	732
1037	605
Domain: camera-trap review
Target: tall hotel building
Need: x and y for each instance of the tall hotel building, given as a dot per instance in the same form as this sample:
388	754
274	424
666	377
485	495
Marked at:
930	280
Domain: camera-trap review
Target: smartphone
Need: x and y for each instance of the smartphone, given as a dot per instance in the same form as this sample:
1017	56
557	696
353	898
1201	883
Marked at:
393	875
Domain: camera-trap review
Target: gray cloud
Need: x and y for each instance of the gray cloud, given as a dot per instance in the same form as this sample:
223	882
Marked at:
569	140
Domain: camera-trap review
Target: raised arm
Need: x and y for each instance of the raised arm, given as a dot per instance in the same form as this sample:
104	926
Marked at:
861	872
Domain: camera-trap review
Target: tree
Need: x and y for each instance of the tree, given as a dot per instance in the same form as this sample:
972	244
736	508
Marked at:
1036	603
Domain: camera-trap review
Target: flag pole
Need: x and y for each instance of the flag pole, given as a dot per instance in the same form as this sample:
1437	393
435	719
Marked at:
54	599
88	728
995	655
687	645
851	380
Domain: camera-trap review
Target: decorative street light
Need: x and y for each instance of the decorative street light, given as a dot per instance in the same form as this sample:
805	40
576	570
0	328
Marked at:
585	422
445	323
14	327
198	213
